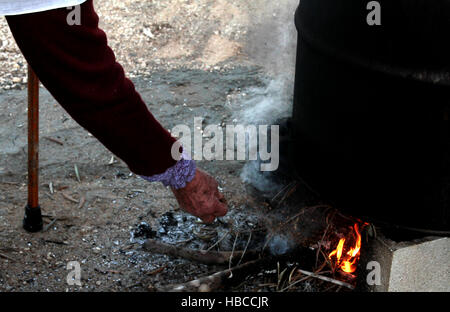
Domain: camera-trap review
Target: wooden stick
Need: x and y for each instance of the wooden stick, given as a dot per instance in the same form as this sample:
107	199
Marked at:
33	139
233	276
217	280
202	256
327	279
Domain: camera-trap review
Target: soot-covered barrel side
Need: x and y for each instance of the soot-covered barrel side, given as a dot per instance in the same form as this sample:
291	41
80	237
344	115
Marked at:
371	108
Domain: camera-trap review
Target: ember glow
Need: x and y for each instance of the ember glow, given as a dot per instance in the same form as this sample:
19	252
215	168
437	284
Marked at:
347	260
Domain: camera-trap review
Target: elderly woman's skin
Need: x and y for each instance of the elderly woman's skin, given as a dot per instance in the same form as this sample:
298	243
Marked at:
202	198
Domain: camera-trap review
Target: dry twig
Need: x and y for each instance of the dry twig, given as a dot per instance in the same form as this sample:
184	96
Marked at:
324	234
57	242
217	280
49	195
327	279
219	241
9	183
45	229
77	173
6	257
69	198
82	202
157	271
54	140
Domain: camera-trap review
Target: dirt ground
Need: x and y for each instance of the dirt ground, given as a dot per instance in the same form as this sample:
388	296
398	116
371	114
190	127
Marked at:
213	59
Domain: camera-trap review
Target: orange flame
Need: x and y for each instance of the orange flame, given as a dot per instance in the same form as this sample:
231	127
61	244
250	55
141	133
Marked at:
347	263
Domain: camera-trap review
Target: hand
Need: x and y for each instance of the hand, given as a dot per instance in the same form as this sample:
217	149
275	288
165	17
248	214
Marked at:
202	198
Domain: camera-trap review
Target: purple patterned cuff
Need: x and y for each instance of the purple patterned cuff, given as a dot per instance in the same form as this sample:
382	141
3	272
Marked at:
178	175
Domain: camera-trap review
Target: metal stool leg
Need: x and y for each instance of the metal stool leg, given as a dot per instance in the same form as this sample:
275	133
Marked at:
32	221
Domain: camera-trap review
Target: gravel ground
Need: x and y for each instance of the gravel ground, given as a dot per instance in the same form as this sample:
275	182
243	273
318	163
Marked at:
150	36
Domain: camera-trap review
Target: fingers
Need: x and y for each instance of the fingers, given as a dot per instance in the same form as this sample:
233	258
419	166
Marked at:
219	209
208	219
220	197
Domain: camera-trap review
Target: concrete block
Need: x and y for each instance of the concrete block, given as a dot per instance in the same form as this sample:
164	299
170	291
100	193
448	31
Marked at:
416	266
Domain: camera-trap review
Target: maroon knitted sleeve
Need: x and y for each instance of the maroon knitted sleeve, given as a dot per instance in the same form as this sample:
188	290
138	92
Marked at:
78	68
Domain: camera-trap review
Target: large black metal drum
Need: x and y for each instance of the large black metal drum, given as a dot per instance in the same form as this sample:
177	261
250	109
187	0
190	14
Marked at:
372	108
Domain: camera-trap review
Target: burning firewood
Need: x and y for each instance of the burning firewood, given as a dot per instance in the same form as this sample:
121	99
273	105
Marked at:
313	238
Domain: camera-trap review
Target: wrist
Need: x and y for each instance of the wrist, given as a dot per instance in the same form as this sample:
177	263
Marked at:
189	185
177	176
